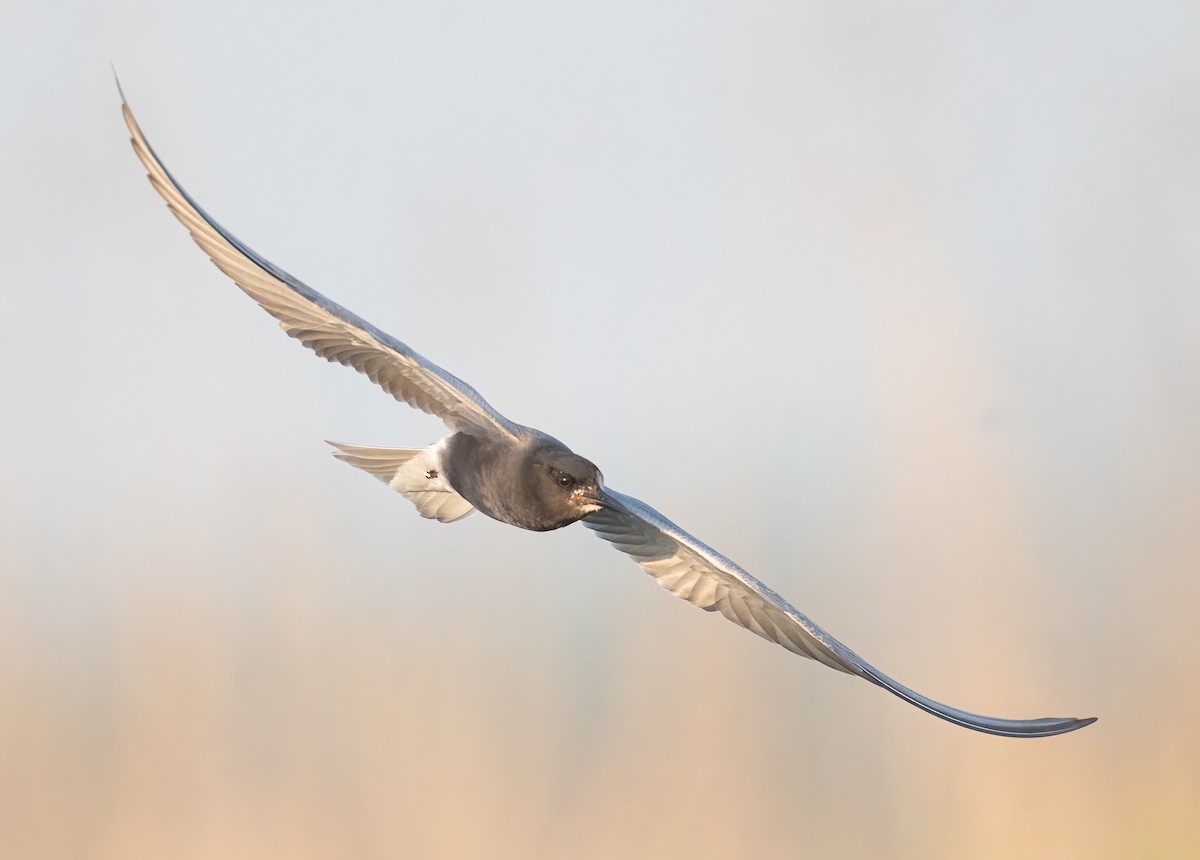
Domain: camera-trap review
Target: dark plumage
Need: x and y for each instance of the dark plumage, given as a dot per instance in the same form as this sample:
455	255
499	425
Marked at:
521	476
534	483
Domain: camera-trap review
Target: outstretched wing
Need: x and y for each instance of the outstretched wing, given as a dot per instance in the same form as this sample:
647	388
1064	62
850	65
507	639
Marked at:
700	575
326	328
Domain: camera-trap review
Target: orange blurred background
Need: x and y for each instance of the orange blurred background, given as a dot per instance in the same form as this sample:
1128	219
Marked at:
897	308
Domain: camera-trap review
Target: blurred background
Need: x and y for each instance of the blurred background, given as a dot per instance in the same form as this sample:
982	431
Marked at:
896	306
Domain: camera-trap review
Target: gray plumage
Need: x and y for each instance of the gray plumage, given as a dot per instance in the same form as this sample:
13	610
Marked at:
519	475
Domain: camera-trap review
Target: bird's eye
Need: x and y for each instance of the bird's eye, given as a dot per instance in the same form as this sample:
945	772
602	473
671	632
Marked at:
566	481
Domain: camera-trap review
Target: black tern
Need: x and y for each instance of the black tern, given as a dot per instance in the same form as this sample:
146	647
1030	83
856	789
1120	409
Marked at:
519	475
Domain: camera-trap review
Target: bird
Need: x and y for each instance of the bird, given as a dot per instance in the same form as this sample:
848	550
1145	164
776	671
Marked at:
519	475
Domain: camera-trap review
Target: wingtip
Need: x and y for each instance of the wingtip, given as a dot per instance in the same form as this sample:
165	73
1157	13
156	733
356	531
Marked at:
135	131
1047	727
1064	726
1074	724
1044	727
117	80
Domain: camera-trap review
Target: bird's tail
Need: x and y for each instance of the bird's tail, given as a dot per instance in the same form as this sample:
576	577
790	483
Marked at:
415	473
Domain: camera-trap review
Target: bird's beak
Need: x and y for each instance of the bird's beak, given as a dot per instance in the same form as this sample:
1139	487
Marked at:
599	498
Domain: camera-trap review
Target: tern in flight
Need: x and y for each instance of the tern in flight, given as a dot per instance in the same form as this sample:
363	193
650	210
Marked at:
519	475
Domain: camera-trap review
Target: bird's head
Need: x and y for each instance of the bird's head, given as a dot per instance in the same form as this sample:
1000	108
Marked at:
573	481
568	487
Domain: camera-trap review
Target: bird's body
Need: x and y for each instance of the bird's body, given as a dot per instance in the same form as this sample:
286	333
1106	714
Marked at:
554	486
521	476
529	480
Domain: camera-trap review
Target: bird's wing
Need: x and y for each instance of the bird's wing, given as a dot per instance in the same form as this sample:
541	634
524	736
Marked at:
700	575
326	328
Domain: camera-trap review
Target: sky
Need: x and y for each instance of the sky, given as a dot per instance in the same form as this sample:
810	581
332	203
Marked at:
897	307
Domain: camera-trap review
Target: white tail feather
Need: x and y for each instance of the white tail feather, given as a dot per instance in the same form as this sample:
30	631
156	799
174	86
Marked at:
415	473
